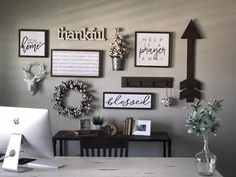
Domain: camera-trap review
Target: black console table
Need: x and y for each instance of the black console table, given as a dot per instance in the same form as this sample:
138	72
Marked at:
68	135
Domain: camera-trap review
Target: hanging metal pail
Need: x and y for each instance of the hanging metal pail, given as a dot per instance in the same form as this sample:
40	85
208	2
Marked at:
117	64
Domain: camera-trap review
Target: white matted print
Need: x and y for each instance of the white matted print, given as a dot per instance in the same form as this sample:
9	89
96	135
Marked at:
33	43
75	63
142	127
152	49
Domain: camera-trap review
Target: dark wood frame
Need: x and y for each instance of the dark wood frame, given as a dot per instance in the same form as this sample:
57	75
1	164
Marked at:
136	45
46	43
100	56
128	93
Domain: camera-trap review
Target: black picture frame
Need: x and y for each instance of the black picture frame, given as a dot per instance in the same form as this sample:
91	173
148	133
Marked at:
152	49
76	63
127	100
33	43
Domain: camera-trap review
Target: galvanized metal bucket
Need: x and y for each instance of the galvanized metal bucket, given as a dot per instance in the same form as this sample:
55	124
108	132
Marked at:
117	64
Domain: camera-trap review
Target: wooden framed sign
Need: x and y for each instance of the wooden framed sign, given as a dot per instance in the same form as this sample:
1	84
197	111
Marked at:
152	49
33	43
75	63
127	100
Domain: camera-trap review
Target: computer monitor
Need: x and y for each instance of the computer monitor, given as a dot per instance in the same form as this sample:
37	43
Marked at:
31	128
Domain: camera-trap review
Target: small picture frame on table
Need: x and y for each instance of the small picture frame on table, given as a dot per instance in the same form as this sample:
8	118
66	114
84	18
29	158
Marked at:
152	49
33	43
84	124
142	127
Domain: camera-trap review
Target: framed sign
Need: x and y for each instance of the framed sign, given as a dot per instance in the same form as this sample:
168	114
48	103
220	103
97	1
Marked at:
33	43
127	100
76	63
152	49
142	127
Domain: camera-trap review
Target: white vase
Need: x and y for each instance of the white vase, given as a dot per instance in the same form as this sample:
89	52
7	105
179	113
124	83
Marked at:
97	127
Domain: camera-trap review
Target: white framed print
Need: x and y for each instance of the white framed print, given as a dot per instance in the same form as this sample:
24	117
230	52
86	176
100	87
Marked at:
152	49
33	43
76	63
142	127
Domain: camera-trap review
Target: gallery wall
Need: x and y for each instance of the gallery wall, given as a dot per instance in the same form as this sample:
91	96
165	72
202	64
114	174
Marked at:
215	63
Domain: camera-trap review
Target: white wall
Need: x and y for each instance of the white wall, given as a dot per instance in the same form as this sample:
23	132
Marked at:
215	61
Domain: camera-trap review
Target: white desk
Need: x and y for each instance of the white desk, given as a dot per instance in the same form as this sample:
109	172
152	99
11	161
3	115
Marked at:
116	167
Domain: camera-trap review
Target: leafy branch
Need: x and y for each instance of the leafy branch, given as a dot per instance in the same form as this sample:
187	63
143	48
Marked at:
203	118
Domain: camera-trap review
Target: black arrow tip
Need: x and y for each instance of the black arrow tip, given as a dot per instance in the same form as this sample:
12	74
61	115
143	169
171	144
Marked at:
191	32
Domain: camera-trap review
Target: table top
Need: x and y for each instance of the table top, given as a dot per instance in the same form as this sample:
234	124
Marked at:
72	135
115	167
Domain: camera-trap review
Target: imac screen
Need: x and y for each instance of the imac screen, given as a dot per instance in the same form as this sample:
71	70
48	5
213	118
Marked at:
34	126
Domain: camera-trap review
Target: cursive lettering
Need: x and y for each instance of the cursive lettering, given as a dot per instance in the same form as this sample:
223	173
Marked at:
154	51
27	44
126	102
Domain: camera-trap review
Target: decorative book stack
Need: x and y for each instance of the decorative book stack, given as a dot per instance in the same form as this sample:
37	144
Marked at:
128	126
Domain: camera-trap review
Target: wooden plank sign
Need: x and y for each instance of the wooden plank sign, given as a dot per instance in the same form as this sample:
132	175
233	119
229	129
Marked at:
149	82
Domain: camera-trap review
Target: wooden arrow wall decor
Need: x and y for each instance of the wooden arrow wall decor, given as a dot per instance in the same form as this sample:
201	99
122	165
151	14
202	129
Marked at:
190	87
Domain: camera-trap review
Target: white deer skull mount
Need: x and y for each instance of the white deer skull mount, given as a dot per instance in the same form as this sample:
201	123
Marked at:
32	79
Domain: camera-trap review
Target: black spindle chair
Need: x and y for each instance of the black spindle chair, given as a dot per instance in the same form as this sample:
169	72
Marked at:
104	146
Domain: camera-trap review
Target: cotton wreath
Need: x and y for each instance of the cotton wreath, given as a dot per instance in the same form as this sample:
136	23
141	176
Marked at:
61	92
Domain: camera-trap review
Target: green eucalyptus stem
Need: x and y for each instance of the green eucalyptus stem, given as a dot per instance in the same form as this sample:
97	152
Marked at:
203	117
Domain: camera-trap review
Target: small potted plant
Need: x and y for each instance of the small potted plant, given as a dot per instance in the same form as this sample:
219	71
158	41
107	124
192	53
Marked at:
118	51
97	122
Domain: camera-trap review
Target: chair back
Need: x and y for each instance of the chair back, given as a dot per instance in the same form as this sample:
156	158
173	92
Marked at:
104	146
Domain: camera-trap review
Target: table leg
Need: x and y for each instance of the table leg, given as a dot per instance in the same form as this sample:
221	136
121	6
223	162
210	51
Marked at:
169	148
164	149
61	148
54	143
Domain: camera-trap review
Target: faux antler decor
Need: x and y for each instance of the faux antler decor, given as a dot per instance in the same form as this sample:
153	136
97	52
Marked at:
32	79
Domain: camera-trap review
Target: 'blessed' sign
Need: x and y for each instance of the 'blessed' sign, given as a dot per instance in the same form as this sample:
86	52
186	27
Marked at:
126	100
